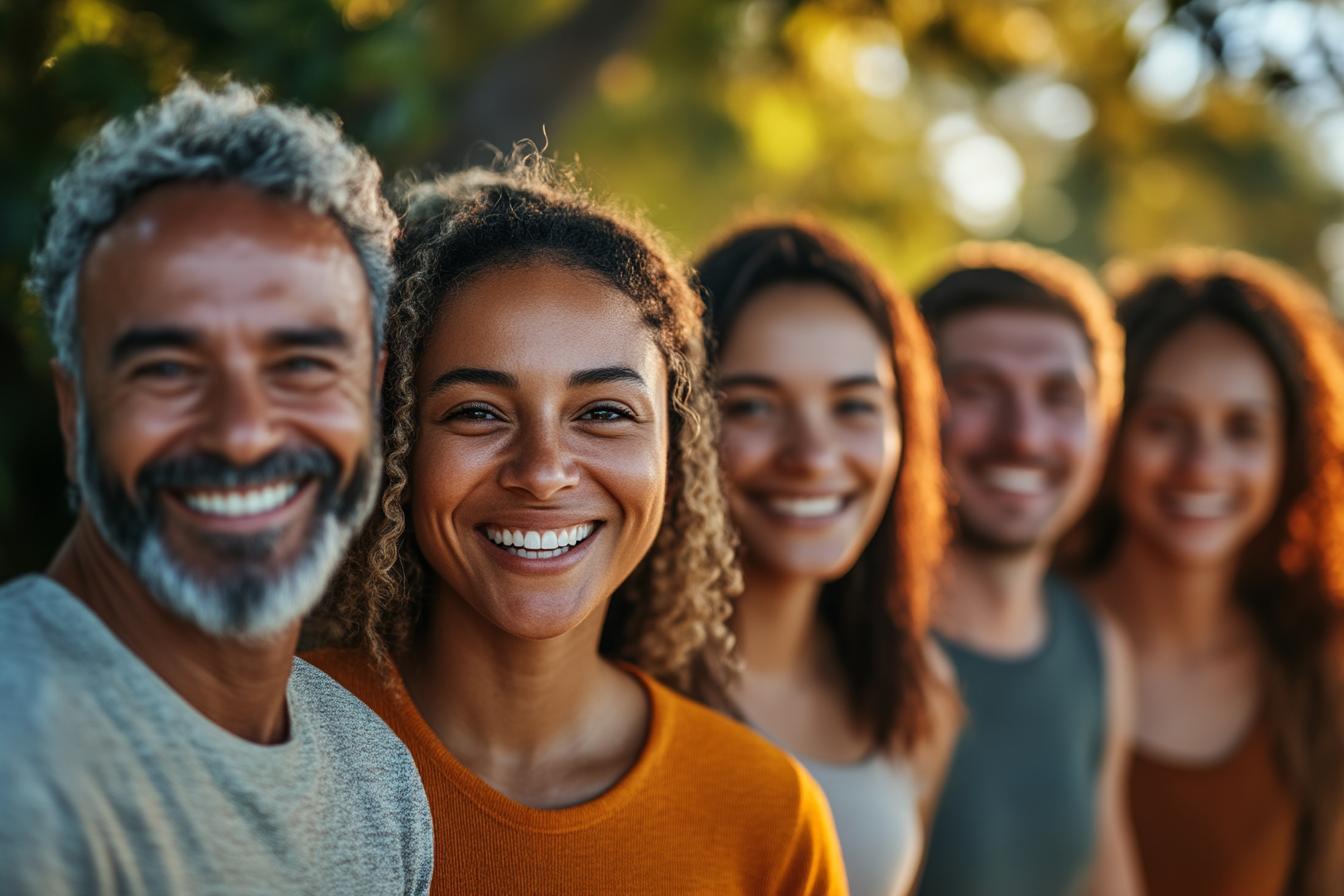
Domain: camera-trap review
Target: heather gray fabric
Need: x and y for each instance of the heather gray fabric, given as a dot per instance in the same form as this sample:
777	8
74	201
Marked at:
112	783
875	806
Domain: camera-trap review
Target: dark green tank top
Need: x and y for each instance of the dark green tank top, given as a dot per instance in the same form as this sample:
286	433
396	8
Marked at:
1017	816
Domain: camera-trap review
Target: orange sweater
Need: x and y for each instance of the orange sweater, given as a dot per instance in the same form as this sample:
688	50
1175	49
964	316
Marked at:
709	807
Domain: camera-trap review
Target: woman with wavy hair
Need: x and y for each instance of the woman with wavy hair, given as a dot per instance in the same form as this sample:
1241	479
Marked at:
550	564
829	400
1218	542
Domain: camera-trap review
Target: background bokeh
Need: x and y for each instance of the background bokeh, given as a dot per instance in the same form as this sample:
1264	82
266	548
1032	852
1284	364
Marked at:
1094	127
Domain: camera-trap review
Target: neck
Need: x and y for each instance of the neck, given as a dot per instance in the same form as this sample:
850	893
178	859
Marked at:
775	620
497	699
993	600
238	685
1166	605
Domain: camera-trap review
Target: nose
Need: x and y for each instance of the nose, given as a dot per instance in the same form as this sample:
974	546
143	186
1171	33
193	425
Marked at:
1201	458
541	466
1023	427
240	423
809	448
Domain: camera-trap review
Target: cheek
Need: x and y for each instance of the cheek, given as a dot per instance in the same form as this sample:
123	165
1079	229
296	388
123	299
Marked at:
636	477
875	455
1263	474
965	430
133	434
1143	459
438	485
744	451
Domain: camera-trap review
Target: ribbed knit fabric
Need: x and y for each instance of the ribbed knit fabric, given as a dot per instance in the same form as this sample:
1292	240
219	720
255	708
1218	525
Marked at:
708	807
1225	828
1017	813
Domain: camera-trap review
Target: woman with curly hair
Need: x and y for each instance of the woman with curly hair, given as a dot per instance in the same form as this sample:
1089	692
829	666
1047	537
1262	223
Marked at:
1218	543
551	564
829	401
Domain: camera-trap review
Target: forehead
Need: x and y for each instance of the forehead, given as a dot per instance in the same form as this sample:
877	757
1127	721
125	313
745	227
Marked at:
221	256
1014	341
804	330
1210	361
539	317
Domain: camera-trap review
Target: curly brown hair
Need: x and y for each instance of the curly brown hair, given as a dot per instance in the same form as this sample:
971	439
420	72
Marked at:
877	613
1290	577
670	616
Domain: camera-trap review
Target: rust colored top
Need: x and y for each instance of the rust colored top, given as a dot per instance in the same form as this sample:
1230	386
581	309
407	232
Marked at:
1226	828
708	807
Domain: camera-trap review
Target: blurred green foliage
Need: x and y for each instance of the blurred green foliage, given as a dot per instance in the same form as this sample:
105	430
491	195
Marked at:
1092	126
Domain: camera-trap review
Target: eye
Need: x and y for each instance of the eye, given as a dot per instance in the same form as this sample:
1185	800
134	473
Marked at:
607	413
160	370
746	407
472	413
1245	429
970	389
1064	396
304	364
856	407
1160	423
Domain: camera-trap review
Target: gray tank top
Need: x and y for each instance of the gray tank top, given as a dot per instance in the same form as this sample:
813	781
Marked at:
1017	815
875	806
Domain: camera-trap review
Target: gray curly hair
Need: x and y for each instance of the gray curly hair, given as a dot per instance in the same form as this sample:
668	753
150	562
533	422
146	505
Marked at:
228	134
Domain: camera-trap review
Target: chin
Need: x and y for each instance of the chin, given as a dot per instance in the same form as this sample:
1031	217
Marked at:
539	617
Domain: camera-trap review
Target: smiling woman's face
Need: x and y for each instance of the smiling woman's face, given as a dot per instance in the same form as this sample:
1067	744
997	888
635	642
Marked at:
539	473
811	434
1201	457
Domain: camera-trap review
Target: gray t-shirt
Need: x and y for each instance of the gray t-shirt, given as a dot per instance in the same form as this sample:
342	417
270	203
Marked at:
110	782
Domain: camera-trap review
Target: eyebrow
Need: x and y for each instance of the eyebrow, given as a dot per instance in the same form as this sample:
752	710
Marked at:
599	375
477	376
483	376
144	339
309	337
764	382
958	368
1166	395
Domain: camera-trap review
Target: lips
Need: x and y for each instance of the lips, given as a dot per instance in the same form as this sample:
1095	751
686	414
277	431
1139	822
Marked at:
242	502
1198	505
539	544
1025	481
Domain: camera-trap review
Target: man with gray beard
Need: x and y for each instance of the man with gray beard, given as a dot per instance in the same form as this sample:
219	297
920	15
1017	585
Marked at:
214	274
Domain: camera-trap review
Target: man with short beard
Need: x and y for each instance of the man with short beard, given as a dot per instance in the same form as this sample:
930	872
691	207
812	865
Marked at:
214	274
1033	802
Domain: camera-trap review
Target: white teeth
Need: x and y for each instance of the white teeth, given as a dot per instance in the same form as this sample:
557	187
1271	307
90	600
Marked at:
1201	505
539	545
1020	480
807	508
249	502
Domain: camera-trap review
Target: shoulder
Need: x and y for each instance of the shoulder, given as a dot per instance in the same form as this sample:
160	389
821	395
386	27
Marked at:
727	763
340	716
374	768
47	668
723	746
947	714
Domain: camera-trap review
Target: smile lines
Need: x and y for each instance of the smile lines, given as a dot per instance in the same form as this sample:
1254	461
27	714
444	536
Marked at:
241	502
539	544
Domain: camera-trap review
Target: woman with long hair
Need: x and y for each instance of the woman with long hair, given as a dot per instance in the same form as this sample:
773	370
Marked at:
829	400
550	564
1217	541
